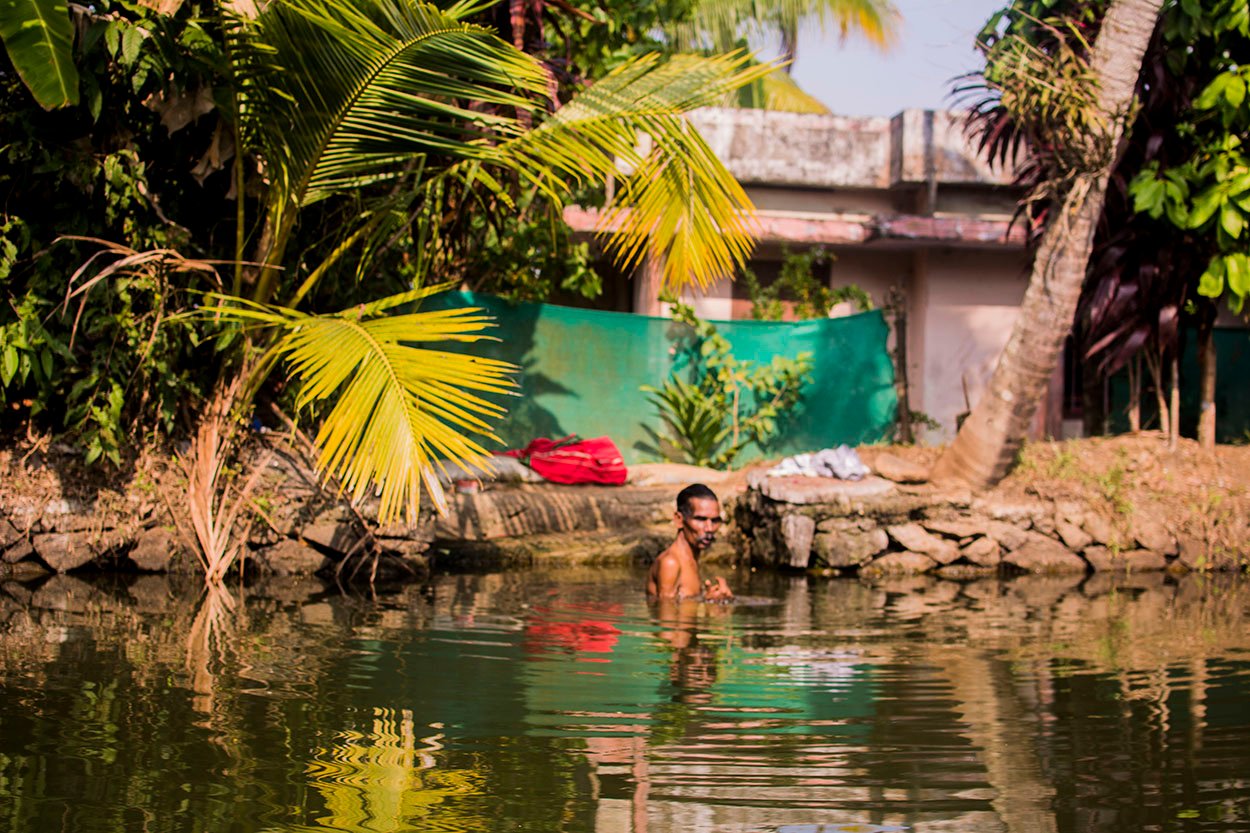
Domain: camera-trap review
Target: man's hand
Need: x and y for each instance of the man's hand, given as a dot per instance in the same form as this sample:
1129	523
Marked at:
717	591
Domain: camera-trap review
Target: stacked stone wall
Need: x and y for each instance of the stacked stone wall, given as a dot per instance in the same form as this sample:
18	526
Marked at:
873	528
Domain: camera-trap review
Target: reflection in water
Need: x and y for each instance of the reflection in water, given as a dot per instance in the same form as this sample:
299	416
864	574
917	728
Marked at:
563	702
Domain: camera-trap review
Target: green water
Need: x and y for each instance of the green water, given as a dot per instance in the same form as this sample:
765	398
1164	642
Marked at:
558	701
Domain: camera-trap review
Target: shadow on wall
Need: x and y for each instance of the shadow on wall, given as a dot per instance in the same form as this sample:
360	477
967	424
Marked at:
512	339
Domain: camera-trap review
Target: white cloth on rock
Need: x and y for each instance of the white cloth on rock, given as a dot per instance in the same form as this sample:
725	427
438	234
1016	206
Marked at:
841	462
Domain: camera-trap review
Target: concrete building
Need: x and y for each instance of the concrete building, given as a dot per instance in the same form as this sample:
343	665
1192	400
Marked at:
904	203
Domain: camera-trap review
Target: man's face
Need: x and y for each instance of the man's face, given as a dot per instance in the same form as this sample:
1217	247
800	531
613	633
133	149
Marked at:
700	525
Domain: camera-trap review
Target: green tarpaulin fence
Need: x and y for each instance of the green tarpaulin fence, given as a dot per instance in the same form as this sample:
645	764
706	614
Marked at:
582	373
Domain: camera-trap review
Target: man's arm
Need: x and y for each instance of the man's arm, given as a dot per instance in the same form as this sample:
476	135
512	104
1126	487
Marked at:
667	578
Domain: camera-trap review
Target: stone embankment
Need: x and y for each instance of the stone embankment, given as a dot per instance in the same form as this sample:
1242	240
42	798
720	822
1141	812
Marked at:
876	527
298	528
1067	510
509	526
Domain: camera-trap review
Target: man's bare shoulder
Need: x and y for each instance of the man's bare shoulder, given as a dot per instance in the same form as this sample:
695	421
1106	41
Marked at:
670	554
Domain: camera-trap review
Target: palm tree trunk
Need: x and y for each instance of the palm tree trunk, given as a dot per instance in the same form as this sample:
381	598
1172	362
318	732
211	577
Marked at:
1206	381
986	446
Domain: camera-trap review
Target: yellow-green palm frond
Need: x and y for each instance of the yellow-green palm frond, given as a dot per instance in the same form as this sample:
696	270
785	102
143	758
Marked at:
876	20
721	25
782	94
397	409
338	95
674	199
779	93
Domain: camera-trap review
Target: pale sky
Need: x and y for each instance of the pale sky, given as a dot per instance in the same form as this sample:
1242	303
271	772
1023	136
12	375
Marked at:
935	44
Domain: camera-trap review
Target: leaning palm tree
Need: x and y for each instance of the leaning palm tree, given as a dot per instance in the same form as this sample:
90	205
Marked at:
987	444
404	109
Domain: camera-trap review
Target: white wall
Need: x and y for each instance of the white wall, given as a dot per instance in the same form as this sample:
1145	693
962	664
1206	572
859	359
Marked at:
966	304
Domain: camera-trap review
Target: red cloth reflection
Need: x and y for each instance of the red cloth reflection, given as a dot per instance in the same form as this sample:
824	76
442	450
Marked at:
545	633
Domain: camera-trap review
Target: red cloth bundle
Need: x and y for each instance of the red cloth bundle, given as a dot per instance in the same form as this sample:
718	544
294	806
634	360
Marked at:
573	460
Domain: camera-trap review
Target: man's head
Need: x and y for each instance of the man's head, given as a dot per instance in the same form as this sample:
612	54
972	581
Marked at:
698	516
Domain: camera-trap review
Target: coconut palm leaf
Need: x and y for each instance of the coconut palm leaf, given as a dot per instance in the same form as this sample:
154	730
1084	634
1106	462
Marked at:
675	200
341	95
398	408
338	95
720	25
782	94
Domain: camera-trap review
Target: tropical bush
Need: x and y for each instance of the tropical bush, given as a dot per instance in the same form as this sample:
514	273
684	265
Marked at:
727	403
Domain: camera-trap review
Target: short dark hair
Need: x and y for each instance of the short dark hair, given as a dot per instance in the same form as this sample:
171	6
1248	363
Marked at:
693	492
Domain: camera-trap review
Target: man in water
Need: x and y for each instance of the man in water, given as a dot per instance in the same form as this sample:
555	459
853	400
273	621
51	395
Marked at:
675	572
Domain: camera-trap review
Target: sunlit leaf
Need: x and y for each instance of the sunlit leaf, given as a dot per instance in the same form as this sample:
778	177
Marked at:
1211	284
676	201
396	409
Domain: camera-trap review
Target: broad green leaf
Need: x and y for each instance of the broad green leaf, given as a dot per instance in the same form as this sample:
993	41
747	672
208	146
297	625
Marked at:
1235	91
1148	196
132	42
1239	274
1205	205
1210	96
1231	221
8	364
1239	184
46	363
1211	284
39	38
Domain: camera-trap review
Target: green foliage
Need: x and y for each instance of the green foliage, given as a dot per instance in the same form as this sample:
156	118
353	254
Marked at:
920	419
797	283
1037	91
722	24
395	407
728	403
1207	193
527	259
104	361
694	419
401	110
39	38
1113	484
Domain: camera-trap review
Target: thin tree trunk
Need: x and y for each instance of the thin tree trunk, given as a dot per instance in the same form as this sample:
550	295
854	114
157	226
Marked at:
1134	394
986	446
896	300
1154	362
1174	405
1206	383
